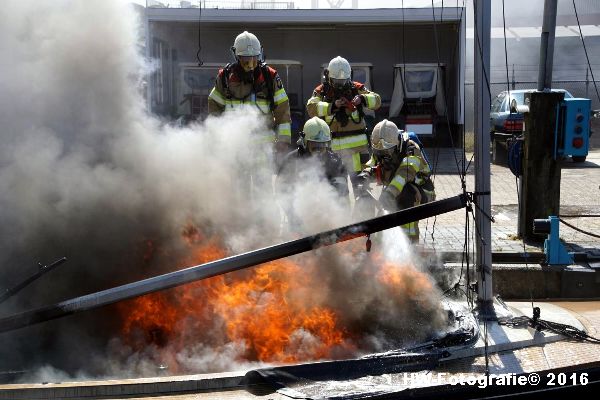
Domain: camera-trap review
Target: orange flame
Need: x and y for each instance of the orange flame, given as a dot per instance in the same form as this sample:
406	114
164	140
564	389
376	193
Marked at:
407	280
258	312
259	308
271	311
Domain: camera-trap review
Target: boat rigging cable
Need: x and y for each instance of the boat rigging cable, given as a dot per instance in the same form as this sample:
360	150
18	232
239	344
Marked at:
598	95
436	148
472	195
469	237
506	54
439	64
462	173
535	321
585	50
404	53
540	325
578	229
515	157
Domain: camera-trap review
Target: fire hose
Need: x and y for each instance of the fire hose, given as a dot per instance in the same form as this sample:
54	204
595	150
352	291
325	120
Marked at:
233	263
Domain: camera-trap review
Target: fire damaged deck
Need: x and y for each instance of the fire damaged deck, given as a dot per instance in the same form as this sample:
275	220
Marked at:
515	352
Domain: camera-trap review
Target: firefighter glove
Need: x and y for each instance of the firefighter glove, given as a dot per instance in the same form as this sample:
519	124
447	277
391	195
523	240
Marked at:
358	100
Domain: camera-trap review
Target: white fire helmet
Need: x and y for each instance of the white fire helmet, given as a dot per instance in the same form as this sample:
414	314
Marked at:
339	68
246	44
316	134
386	136
339	72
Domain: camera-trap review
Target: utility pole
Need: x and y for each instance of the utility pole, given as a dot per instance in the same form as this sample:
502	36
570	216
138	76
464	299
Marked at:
547	45
540	195
482	156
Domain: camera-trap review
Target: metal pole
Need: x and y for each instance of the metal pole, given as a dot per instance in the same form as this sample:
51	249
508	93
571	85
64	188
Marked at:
587	83
230	264
547	45
482	150
41	271
540	194
514	84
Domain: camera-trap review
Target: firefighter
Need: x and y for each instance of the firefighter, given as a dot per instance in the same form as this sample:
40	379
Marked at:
315	144
314	148
402	169
340	102
249	81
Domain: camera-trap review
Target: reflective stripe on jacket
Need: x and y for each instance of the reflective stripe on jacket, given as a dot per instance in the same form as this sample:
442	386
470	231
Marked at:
321	104
412	168
257	94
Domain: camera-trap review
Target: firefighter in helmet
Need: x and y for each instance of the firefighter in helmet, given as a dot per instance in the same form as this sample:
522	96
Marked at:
402	169
249	81
340	102
315	144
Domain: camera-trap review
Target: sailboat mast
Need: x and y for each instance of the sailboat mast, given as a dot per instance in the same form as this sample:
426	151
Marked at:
482	150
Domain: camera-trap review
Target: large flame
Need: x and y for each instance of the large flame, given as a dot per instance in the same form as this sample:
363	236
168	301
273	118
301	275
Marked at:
273	312
267	309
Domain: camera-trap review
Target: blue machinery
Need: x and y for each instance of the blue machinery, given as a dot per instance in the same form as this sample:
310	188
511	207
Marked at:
556	253
572	132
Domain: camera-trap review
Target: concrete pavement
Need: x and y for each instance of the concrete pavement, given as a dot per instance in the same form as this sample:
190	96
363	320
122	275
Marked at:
579	197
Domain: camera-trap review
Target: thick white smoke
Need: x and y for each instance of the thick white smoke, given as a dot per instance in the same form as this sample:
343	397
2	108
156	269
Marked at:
86	173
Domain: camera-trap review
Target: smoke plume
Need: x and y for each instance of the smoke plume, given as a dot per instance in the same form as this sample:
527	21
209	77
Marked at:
87	173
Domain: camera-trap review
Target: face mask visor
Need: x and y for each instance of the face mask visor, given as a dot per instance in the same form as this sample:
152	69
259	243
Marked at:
384	155
248	63
339	83
317	147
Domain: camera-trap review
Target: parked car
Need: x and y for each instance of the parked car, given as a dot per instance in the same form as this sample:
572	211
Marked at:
502	120
506	120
